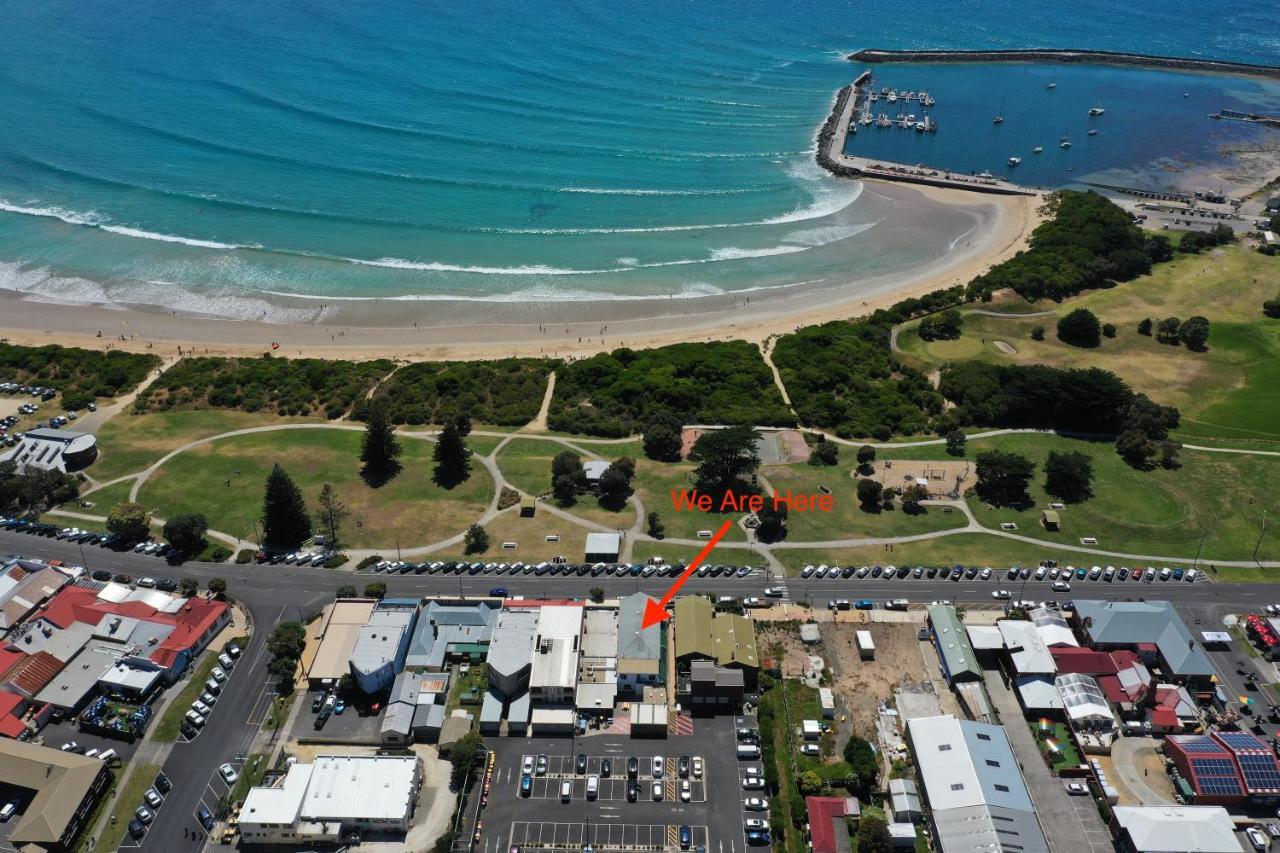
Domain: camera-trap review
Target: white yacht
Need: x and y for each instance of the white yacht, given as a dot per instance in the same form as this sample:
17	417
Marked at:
1013	161
1096	111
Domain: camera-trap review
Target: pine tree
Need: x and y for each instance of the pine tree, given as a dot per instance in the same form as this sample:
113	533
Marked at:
452	457
285	520
380	448
332	513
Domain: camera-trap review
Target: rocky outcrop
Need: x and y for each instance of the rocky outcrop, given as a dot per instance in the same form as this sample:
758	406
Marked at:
1097	57
827	133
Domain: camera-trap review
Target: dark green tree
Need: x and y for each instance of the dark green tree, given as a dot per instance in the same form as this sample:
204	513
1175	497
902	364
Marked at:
1037	333
476	540
873	832
129	521
725	458
331	514
773	523
943	326
1003	478
869	494
1080	328
615	483
377	590
912	495
218	587
452	457
865	767
287	640
887	496
662	443
186	533
1144	326
1195	333
345	591
567	477
1108	330
1069	476
956	443
564	489
825	453
656	528
1167	330
596	594
1136	448
866	455
1271	308
1169	455
188	587
285	520
380	450
465	757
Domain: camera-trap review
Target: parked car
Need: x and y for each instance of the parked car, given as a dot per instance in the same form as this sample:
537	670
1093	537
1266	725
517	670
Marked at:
153	798
1076	789
144	815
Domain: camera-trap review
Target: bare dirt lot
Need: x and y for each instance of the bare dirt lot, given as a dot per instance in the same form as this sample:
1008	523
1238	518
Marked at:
860	686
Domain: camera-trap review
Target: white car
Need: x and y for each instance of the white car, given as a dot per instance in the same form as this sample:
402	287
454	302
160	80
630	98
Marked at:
811	749
755	804
657	766
753	783
527	765
686	792
657	792
697	767
775	591
218	675
1076	789
1257	838
1001	594
201	708
228	774
754	823
985	575
1061	586
208	699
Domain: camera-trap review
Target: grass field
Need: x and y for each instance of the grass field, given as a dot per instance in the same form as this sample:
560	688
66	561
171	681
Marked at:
129	443
654	483
526	463
530	535
224	480
102	499
1220	496
1232	390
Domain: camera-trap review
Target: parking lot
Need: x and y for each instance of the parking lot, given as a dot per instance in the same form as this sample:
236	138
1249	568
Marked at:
542	821
67	731
349	726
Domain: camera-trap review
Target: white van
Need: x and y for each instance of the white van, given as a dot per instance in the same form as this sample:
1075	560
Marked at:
748	751
593	787
566	791
8	810
108	755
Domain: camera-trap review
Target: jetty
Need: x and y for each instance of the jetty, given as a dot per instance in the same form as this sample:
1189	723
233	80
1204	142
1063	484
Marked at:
1067	56
834	133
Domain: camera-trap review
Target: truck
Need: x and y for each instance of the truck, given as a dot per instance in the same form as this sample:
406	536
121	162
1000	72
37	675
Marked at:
896	604
864	604
866	646
323	717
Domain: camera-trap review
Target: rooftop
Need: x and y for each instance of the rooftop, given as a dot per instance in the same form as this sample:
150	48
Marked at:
603	543
60	781
511	645
951	639
368	787
726	638
636	645
1121	623
1175	829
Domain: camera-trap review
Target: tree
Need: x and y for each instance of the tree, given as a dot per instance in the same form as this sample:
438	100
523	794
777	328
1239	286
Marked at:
887	496
1144	327
865	767
725	457
567	476
912	495
464	757
285	520
656	528
1169	455
287	640
773	523
873	832
596	594
1037	333
1167	330
1135	448
866	455
476	540
1195	333
1003	478
662	442
380	450
869	492
331	514
188	587
1080	328
452	458
956	443
615	483
564	489
217	586
1271	308
346	591
186	533
825	453
1068	476
810	783
377	590
130	521
945	325
1108	330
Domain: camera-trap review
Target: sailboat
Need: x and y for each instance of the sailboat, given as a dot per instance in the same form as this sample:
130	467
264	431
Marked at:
999	119
1065	141
1096	111
1037	149
1013	161
1052	84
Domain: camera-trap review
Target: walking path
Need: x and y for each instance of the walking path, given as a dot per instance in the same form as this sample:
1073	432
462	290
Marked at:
539	422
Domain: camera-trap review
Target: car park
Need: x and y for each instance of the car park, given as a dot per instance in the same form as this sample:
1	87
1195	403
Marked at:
686	836
566	791
205	817
686	792
697	767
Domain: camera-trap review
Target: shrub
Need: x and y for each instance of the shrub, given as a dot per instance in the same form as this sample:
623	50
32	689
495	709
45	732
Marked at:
245	555
506	391
372	559
80	375
1037	333
1080	328
219	554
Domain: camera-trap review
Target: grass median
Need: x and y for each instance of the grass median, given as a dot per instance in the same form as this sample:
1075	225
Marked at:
170	725
127	799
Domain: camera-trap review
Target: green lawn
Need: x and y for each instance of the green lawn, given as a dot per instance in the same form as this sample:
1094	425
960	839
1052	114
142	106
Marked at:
642	551
103	499
1218	495
848	519
128	443
224	480
526	463
1067	754
654	483
127	799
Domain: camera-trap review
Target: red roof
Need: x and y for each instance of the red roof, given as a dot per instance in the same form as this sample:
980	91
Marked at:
11	724
1165	718
31	675
196	617
1111	689
1070	659
822	814
9	658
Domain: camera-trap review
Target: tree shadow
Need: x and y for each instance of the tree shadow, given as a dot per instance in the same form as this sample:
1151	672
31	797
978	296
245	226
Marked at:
377	477
449	477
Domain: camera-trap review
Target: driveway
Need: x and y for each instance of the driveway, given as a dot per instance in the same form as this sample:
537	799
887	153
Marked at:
1069	823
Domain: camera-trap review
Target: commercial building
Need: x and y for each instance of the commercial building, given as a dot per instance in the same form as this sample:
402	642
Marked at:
1154	630
450	631
973	786
553	678
511	652
726	639
65	788
24	586
712	689
641	653
333	797
1226	768
340	626
53	450
959	663
380	648
1173	829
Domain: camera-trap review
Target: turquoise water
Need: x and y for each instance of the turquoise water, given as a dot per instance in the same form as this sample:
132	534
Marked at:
201	155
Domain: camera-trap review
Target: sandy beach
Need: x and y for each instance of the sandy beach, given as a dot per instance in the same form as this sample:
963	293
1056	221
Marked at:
412	331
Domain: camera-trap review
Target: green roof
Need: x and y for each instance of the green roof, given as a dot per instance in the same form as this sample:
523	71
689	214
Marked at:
725	638
953	641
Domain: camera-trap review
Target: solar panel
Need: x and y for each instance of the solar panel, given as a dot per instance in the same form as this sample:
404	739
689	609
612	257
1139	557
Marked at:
1202	744
1260	772
1213	767
1218	785
1241	740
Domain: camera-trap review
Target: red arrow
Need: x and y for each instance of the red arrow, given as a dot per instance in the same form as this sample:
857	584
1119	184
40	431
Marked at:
656	611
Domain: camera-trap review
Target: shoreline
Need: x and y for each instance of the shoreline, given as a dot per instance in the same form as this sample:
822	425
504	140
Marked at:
417	331
1067	56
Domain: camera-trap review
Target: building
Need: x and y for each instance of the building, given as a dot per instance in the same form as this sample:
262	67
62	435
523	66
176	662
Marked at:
1151	628
333	797
511	652
53	450
904	801
64	788
553	679
726	639
641	653
1028	654
411	693
711	688
340	626
1085	705
603	547
382	643
1053	627
973	786
829	822
597	683
450	631
593	470
1173	829
959	662
24	586
1226	768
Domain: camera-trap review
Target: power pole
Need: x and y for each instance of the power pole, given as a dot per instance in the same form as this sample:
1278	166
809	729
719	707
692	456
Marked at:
1261	533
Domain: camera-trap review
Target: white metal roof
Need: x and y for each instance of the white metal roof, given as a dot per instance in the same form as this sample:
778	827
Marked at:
1082	697
1026	647
603	543
367	787
559	622
1170	829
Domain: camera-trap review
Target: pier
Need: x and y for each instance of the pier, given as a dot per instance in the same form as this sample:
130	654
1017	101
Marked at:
834	133
1067	56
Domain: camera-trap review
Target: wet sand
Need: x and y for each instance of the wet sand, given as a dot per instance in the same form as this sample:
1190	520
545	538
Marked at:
434	330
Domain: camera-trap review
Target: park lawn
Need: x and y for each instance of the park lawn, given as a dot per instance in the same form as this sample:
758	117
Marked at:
526	463
967	549
225	479
129	443
126	800
847	519
1220	496
641	551
654	484
1229	390
482	445
103	499
530	536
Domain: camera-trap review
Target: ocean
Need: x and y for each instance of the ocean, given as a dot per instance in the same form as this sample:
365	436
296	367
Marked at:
205	157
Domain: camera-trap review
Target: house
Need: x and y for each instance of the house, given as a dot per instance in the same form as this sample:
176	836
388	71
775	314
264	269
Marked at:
603	547
727	639
1154	630
449	631
829	824
1174	709
641	653
382	643
959	662
1173	829
64	788
711	688
1226	768
53	450
973	786
593	470
904	801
